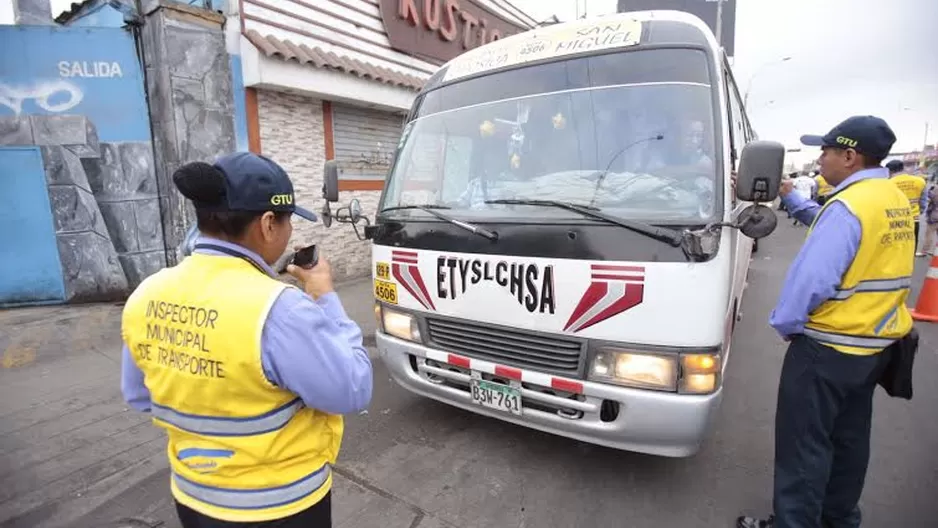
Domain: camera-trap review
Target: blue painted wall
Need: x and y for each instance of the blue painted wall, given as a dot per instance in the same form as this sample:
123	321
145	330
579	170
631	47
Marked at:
76	94
240	112
30	270
83	71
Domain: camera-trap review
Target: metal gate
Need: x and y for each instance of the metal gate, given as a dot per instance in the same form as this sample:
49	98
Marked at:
365	141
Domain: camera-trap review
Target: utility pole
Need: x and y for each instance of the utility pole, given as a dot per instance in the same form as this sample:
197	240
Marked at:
924	145
753	76
720	22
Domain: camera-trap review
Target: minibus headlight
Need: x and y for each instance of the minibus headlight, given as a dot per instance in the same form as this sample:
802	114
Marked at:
700	373
399	324
634	369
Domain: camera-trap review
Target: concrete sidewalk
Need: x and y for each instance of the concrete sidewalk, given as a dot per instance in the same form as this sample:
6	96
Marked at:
359	302
72	454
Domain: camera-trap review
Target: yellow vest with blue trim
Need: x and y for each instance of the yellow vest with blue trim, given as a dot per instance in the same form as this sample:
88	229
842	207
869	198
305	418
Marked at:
868	311
823	188
912	187
240	448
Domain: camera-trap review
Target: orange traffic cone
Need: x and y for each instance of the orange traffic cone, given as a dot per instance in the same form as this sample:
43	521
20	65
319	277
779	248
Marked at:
926	309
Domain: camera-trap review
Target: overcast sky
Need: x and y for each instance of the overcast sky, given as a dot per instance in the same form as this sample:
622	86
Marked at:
847	57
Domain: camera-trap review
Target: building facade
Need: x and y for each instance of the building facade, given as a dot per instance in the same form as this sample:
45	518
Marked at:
334	79
100	104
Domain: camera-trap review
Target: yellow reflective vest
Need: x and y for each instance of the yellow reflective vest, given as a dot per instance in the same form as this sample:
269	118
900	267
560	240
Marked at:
868	311
823	188
240	448
912	187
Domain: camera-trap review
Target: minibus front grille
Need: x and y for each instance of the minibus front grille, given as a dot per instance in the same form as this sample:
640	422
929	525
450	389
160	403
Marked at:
508	346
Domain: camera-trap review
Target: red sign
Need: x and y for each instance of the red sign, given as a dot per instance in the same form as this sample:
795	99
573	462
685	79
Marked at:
441	29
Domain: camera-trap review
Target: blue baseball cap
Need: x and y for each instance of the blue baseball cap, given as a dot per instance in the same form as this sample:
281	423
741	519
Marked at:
257	183
868	135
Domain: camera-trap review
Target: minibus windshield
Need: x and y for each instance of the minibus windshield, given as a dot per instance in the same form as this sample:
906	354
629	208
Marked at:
629	133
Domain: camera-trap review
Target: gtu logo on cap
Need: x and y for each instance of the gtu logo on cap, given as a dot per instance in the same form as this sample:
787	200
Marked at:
281	199
843	140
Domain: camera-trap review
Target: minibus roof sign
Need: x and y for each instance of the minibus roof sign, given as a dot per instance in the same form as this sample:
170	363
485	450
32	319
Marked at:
543	43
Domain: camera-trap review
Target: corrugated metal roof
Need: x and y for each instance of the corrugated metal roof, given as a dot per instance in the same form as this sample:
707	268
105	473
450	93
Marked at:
273	47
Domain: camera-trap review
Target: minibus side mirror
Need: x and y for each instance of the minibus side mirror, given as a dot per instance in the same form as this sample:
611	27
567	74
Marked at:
349	214
330	181
760	171
757	221
354	211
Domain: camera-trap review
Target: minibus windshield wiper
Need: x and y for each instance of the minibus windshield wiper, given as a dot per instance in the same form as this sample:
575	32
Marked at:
431	208
422	207
663	234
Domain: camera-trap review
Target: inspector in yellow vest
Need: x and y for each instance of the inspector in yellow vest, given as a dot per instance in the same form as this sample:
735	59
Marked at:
912	187
240	448
823	188
868	311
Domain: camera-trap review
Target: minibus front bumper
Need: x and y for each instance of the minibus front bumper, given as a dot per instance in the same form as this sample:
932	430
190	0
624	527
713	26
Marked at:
647	421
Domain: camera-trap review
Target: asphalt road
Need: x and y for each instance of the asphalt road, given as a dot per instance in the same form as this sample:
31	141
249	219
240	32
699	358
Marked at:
471	471
73	455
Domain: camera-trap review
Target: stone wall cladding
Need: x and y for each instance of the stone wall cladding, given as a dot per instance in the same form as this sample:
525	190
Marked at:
292	134
124	185
191	103
103	200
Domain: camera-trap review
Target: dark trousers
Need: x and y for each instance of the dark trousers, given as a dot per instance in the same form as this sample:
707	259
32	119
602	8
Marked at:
916	235
822	435
317	516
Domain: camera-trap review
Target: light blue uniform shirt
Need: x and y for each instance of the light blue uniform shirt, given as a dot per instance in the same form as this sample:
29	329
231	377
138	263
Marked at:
923	201
308	347
828	252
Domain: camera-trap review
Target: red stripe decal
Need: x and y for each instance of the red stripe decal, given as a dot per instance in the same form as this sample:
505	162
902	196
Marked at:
566	385
415	273
593	295
619	277
397	270
404	254
403	260
634	293
420	293
508	372
459	361
607	267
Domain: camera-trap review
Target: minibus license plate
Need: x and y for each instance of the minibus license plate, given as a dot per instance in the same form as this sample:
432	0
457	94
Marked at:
386	291
496	396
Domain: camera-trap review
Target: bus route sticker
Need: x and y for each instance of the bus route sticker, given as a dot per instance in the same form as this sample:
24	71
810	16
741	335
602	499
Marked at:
588	35
386	291
382	270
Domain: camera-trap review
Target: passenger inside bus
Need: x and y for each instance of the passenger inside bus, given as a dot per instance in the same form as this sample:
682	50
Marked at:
689	149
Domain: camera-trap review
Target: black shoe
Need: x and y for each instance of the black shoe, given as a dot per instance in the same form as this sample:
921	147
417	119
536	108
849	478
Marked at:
752	522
